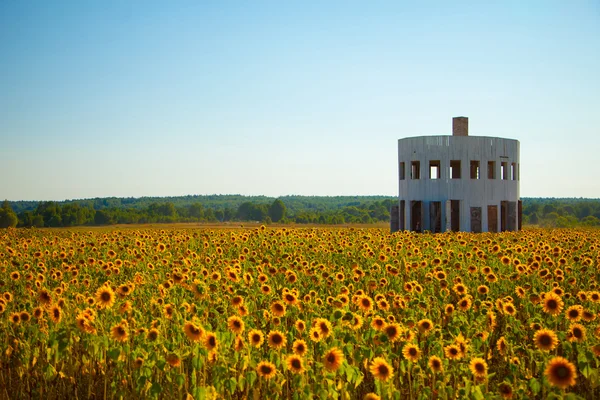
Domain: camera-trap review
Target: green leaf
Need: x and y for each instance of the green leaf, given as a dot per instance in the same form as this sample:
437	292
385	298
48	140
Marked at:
156	389
534	385
114	354
197	363
477	394
231	384
251	378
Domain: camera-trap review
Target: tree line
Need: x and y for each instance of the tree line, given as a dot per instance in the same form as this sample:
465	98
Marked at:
304	209
544	212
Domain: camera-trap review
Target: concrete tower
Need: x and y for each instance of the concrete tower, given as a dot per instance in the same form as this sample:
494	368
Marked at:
459	183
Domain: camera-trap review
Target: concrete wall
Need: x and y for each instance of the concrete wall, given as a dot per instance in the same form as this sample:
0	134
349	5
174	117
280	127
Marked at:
480	192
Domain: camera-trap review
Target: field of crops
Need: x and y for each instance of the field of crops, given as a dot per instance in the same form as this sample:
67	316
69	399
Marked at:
267	313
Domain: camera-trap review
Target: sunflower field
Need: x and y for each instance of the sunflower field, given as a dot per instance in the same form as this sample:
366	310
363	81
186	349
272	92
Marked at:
299	313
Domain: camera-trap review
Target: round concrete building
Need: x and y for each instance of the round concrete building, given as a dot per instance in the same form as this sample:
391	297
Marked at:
458	183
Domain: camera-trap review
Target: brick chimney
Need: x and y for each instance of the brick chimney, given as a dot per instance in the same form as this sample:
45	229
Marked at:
460	126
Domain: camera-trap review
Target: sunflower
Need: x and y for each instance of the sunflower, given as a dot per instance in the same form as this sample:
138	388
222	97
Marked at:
238	344
315	334
380	369
235	324
299	347
425	326
278	309
576	333
545	339
210	341
55	314
38	312
506	390
452	352
266	370
300	325
276	340
464	304
553	304
588	316
501	345
449	309
15	318
120	332
435	364
290	298
378	323
478	367
294	363
324	327
393	331
152	335
138	362
483	289
411	352
193	332
105	297
333	359
509	309
173	360
365	303
44	297
561	373
574	313
490	319
256	338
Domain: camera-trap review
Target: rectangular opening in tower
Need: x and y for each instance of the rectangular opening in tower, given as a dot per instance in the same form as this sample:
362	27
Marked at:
416	214
434	169
503	215
504	170
455	169
402	215
492	218
520	223
474	169
491	169
513	171
415	170
511	223
402	172
455	215
435	216
476	219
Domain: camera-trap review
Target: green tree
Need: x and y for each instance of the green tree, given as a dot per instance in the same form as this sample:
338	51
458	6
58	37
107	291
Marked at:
8	218
277	210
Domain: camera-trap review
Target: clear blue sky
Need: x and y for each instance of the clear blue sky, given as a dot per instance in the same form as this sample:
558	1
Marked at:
124	98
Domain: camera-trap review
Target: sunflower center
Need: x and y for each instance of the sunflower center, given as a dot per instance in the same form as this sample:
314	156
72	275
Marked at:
105	296
296	364
265	369
562	372
545	340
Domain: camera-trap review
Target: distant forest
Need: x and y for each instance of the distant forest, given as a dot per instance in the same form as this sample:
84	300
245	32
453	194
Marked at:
545	212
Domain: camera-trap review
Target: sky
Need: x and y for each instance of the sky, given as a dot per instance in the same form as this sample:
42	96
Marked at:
157	98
